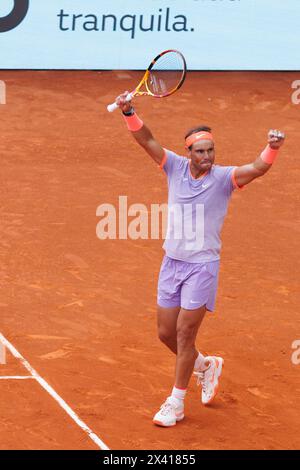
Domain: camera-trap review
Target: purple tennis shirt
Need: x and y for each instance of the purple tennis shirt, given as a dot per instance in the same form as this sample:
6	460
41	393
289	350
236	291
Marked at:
196	209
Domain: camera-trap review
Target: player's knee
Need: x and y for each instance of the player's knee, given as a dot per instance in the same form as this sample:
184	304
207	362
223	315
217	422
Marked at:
165	336
185	336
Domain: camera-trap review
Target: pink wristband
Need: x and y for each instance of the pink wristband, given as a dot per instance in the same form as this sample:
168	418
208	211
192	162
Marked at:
134	123
269	155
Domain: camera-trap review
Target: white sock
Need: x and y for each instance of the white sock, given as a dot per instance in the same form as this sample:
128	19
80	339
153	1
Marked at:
178	393
200	362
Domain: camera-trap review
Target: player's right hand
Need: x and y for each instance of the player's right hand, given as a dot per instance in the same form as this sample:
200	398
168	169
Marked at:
275	139
124	105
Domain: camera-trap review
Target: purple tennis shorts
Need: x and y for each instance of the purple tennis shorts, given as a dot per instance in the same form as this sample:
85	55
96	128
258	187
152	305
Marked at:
187	285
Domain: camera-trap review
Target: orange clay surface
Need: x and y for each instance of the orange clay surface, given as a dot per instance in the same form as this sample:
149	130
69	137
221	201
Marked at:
82	311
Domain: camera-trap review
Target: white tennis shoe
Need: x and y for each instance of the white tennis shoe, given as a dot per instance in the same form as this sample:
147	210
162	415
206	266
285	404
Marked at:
171	411
209	379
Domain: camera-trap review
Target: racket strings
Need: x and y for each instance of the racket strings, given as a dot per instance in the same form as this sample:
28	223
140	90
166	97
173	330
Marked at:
167	74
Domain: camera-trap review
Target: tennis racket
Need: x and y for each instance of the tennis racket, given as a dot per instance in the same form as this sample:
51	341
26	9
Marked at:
164	76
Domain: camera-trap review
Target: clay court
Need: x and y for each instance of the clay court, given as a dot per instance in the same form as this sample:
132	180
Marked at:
82	311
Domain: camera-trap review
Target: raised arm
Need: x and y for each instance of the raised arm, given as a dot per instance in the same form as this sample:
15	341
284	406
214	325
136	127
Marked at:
140	131
246	173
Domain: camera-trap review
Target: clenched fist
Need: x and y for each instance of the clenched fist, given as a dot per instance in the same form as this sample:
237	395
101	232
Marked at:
275	139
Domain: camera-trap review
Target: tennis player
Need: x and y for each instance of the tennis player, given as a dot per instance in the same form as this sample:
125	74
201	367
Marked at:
200	192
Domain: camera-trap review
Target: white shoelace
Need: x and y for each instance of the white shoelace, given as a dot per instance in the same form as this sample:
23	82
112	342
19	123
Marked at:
201	379
166	408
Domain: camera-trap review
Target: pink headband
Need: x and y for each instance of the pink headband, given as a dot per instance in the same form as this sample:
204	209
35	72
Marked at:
202	135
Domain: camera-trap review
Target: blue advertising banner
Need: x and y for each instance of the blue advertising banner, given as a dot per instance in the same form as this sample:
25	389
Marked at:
119	34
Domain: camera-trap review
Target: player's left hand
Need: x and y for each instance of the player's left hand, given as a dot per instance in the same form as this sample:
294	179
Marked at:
275	139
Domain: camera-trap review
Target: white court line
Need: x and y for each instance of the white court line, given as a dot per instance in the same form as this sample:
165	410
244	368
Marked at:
53	394
15	377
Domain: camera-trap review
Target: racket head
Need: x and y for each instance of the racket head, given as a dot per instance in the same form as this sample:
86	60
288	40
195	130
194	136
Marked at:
165	74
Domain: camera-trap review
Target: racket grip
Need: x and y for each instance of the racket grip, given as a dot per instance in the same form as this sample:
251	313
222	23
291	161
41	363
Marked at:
112	107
